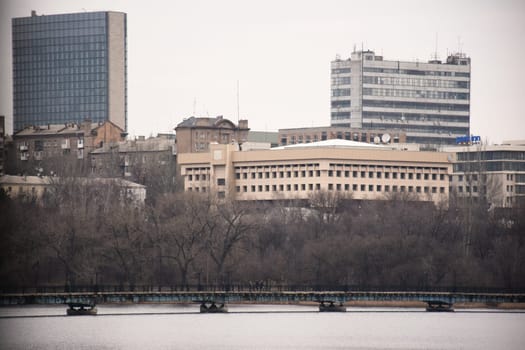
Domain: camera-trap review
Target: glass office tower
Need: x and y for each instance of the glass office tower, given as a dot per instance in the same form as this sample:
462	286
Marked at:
68	68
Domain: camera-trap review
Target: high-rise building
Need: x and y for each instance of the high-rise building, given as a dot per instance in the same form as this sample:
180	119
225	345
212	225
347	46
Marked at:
68	68
429	101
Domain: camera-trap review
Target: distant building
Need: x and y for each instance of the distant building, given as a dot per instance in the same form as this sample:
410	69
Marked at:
62	144
430	101
195	134
36	187
493	173
131	158
315	134
268	137
364	171
69	67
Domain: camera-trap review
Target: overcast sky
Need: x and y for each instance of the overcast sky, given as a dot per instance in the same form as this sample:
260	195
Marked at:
186	57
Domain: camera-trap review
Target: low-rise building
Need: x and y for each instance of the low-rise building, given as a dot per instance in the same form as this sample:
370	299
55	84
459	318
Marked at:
495	173
131	158
360	170
314	134
36	187
195	134
60	145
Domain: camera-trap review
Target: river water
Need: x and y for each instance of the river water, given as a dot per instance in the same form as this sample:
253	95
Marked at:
258	327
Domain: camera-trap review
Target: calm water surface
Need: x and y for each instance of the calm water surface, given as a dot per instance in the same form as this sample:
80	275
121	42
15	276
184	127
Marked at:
258	327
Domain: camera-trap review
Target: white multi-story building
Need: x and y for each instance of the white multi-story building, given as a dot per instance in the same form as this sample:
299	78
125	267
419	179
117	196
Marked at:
495	173
429	101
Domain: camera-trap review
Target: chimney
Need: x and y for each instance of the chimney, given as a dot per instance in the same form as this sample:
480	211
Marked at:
33	13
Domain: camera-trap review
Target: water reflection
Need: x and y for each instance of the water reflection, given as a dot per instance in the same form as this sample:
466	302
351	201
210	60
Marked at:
257	327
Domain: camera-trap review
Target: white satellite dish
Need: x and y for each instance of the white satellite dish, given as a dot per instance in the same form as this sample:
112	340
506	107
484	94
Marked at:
385	138
376	139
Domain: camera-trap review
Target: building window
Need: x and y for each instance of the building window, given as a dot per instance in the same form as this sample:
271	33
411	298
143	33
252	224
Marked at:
354	187
363	188
330	187
221	182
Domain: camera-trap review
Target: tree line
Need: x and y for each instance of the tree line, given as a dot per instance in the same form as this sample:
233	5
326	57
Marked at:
92	236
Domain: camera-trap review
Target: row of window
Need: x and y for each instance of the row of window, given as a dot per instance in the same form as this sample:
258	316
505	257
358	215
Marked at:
60	33
355	136
340	115
442	95
63	108
54	44
94	62
336	173
77	17
422	82
340	92
489	166
340	104
49	83
341	70
434	129
416	116
491	155
19	27
416	105
341	80
96	88
416	72
339	187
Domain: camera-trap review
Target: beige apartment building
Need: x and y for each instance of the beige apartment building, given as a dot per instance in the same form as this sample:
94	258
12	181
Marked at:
364	171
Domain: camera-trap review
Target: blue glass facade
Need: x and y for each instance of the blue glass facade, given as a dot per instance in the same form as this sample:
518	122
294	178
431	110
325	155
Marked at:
61	69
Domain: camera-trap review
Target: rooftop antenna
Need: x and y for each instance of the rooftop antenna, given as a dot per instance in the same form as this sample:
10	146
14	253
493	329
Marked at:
459	44
238	115
436	49
194	105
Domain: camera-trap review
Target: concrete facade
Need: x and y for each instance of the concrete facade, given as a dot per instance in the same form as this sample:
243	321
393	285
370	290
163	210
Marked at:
429	101
362	171
495	173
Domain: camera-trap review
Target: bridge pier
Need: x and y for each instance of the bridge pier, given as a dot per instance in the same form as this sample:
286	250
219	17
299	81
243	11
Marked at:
210	307
439	306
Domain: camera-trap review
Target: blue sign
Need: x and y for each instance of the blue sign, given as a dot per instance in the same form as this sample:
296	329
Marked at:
468	139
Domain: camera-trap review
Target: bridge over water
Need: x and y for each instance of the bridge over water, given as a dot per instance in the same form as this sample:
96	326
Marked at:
271	295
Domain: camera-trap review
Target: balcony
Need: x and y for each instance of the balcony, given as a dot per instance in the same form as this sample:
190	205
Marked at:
23	147
80	143
24	156
65	144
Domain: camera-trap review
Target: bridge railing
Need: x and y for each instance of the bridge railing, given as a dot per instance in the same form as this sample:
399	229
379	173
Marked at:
248	287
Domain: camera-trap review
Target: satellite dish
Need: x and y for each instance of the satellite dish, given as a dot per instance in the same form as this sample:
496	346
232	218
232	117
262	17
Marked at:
385	138
376	139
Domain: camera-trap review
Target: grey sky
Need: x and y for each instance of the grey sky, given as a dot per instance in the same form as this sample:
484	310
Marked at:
186	56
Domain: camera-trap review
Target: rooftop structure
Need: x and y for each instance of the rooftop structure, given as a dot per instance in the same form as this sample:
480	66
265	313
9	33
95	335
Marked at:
429	101
314	134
